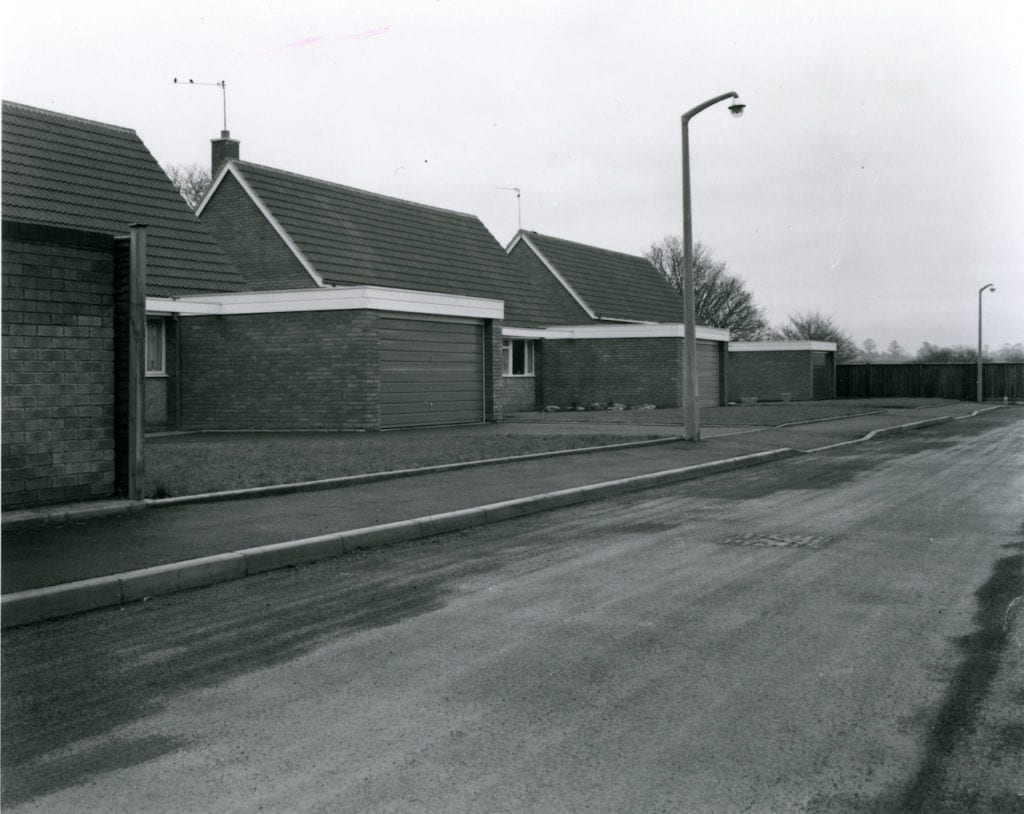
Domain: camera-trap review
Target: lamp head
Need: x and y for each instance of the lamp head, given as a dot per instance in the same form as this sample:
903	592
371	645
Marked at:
736	108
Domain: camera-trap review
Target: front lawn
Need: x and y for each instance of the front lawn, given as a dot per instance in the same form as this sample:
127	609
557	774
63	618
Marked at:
197	463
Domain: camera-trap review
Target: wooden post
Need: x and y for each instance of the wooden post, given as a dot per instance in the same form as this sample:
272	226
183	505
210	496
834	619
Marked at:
137	362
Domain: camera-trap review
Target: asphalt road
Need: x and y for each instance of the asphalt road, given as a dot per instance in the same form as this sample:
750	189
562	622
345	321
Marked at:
837	632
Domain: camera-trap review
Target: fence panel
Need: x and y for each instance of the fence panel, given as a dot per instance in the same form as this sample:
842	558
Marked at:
949	381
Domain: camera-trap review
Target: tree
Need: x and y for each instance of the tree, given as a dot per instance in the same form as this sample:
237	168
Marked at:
896	352
191	181
1010	353
820	328
957	353
721	300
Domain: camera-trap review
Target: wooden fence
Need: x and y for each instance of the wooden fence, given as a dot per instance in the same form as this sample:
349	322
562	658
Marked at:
949	381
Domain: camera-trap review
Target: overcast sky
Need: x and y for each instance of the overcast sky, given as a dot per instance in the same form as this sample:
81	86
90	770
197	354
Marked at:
877	175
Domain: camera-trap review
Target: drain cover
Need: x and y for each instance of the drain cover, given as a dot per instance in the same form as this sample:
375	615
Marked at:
780	540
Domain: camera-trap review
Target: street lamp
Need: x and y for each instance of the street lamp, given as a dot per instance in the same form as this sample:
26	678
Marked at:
691	418
980	292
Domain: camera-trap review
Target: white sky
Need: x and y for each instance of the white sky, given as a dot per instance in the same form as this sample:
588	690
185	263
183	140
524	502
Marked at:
877	175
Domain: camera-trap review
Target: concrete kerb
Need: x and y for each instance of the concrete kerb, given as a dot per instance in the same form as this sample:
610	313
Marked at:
38	604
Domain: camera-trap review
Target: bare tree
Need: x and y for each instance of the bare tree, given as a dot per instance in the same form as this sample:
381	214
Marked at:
191	180
957	353
721	300
818	327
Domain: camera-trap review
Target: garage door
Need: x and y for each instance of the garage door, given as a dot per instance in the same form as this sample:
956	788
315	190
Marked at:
709	382
431	372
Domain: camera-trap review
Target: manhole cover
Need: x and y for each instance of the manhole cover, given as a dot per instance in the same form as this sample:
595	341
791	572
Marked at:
780	540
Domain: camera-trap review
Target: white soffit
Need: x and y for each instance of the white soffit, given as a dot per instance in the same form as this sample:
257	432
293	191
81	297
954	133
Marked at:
372	298
781	345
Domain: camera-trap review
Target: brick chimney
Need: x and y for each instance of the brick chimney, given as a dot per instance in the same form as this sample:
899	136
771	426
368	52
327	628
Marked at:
223	148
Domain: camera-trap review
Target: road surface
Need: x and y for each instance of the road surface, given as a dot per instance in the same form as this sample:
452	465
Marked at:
838	632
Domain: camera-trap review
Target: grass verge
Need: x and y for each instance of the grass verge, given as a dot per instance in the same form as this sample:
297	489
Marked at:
193	464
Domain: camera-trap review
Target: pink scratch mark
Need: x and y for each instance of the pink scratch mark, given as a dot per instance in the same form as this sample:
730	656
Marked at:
302	42
363	35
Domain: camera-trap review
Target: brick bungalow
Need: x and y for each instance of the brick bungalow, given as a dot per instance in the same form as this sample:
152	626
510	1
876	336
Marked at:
71	190
606	329
783	370
359	311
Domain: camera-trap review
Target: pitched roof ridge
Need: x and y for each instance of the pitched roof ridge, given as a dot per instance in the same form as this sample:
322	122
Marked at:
67	116
298	176
590	246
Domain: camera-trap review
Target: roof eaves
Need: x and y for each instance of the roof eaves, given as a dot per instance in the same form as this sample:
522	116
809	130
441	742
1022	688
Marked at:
230	168
550	267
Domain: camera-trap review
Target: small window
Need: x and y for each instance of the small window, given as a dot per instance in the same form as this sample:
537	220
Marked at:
155	347
517	356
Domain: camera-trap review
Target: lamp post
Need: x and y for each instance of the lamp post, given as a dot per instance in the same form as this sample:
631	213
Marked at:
691	417
981	291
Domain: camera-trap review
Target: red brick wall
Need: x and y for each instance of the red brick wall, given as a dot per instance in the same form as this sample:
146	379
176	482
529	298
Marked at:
58	365
766	375
250	241
578	372
307	370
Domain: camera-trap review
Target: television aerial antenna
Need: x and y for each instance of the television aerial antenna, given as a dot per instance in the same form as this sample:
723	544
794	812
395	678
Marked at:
223	92
519	202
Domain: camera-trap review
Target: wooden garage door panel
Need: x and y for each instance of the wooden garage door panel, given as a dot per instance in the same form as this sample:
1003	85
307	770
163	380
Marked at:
431	372
708	381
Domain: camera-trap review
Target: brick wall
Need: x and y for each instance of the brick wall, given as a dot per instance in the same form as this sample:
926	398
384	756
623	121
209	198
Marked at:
578	372
250	241
520	394
307	370
766	375
58	365
494	382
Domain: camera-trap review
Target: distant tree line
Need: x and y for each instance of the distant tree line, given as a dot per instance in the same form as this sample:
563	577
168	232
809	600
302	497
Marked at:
723	301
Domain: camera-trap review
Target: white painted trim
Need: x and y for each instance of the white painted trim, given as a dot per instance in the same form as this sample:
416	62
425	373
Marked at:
565	283
229	167
655	330
781	345
374	298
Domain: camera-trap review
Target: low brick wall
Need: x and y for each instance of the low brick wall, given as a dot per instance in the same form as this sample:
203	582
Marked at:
58	365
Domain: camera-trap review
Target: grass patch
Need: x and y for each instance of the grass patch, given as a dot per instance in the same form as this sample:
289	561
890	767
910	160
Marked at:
193	464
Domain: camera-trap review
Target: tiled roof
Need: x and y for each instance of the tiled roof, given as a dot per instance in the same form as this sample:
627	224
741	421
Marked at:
612	284
63	171
354	237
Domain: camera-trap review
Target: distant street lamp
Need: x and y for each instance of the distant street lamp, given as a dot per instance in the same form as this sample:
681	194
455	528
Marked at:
980	292
691	418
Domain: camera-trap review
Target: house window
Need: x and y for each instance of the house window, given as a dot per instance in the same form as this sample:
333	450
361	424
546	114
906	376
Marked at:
156	350
518	357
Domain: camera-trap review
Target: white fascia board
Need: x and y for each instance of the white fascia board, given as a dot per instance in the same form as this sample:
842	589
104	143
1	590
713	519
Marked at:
373	298
524	333
161	305
781	345
229	167
657	330
554	271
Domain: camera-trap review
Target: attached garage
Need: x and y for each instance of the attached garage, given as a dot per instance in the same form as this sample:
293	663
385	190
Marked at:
782	370
630	364
431	372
